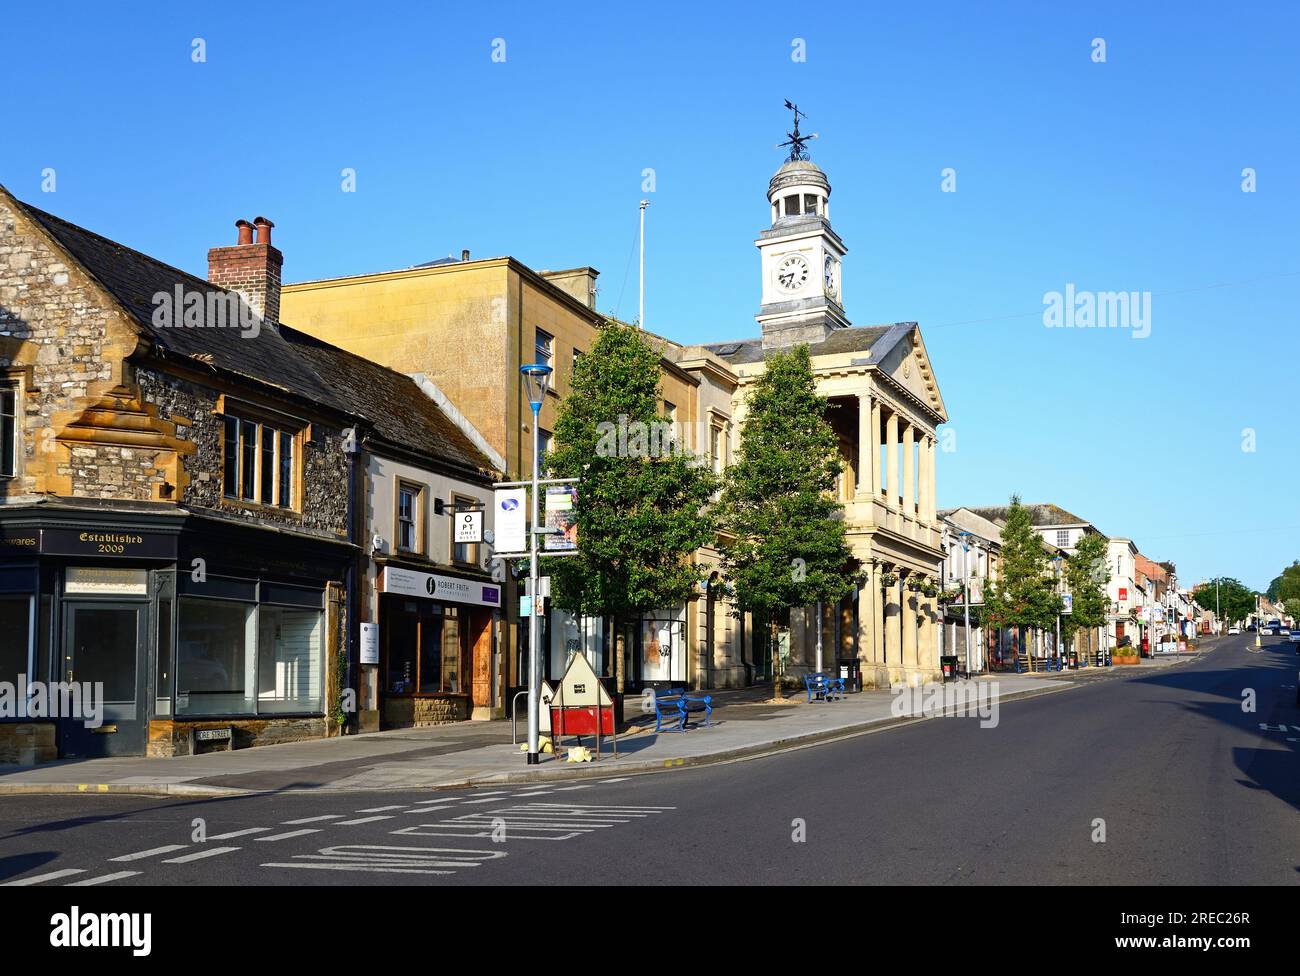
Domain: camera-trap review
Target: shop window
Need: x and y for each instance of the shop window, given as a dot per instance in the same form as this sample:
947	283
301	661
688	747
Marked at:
216	652
258	462
15	638
425	652
410	517
8	430
663	656
289	660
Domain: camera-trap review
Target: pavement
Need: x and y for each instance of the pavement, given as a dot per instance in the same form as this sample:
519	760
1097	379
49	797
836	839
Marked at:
1157	776
481	753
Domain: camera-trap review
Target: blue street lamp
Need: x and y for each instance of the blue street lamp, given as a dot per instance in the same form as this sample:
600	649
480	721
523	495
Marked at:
537	377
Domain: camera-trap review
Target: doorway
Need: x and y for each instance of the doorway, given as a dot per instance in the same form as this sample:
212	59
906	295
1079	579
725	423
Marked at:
104	669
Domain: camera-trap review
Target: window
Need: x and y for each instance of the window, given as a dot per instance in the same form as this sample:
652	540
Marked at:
715	449
577	354
792	205
216	652
545	348
425	652
544	438
289	660
257	462
410	516
8	430
809	203
463	552
15	635
1063	538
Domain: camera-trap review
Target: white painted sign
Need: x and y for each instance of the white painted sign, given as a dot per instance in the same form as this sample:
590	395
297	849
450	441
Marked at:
580	687
469	526
369	643
408	582
510	518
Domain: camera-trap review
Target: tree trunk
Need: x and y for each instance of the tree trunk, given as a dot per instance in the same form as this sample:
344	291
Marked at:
777	690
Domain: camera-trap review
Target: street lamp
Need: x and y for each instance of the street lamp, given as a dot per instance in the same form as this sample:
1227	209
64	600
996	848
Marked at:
965	585
536	381
1056	562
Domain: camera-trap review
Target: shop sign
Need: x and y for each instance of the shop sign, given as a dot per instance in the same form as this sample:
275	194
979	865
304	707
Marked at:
369	643
108	542
454	589
510	520
469	526
106	582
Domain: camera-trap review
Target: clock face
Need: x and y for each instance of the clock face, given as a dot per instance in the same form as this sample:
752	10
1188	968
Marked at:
792	272
831	274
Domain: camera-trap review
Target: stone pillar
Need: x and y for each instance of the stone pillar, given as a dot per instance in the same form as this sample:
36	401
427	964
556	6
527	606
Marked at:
893	630
909	471
891	460
925	462
875	448
911	653
877	616
930	481
866	446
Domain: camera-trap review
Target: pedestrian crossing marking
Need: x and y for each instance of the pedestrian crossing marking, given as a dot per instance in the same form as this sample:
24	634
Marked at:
396	806
535	821
140	855
199	855
239	833
388	859
307	820
364	820
291	833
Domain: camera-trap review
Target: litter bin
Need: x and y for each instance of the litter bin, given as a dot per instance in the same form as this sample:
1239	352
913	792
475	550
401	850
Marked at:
949	666
851	673
1074	660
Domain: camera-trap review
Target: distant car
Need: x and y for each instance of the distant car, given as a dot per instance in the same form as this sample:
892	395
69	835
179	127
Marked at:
1233	631
1266	630
1294	638
1284	632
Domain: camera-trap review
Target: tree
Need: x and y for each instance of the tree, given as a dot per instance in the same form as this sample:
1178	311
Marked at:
1235	601
1024	595
1288	589
644	501
1086	573
784	544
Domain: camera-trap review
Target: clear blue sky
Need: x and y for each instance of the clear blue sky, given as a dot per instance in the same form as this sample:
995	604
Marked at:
1117	176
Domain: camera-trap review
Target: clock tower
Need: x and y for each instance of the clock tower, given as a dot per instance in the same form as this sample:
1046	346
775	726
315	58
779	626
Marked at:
800	255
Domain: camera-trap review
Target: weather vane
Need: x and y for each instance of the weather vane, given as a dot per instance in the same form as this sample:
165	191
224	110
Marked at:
796	141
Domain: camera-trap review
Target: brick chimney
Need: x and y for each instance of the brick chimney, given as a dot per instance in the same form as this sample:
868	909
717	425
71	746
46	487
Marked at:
251	268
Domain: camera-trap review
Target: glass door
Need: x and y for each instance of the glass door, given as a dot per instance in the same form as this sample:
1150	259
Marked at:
104	668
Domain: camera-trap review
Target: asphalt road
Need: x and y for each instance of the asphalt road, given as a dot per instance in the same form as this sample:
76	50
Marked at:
1191	788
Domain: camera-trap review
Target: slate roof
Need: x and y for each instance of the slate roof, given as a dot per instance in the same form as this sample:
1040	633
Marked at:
280	357
858	338
1040	515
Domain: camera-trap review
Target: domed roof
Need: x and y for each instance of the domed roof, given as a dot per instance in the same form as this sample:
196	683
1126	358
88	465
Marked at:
798	172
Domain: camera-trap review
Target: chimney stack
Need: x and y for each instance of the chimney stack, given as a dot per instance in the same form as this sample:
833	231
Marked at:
464	255
251	268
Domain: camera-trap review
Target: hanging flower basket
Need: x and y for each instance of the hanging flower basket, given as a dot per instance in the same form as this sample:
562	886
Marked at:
888	579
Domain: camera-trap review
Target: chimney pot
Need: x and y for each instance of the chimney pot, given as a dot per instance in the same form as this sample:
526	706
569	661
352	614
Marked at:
245	232
464	255
263	229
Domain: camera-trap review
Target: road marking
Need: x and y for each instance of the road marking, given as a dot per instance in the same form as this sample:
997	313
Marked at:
491	799
53	875
427	809
303	820
621	779
103	879
396	806
239	833
535	793
535	821
139	855
386	859
561	789
292	833
441	799
199	855
364	820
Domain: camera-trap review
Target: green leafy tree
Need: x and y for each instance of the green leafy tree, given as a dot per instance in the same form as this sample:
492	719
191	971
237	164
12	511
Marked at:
1024	595
644	502
1288	589
1086	574
784	544
1235	601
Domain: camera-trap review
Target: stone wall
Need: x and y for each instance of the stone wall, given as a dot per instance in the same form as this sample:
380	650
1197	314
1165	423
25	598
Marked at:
28	743
408	712
172	738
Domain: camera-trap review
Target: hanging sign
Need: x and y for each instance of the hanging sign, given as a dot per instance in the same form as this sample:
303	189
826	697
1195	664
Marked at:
510	520
369	643
561	518
469	526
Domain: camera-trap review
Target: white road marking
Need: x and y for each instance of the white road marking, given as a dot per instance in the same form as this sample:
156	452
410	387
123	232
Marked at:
52	876
535	821
427	809
396	806
561	789
364	820
292	833
385	859
621	779
303	820
139	855
199	855
239	833
102	879
535	793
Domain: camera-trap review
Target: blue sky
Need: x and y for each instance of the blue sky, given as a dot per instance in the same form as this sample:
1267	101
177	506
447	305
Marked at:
1124	175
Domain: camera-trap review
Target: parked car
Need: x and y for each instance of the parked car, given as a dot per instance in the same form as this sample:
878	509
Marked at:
1234	630
1266	630
1294	638
1284	631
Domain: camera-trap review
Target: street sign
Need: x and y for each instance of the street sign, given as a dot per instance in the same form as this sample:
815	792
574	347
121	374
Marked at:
561	519
369	643
469	526
510	506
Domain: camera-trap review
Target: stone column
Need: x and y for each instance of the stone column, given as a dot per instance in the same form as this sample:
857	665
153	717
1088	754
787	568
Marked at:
930	481
923	480
875	448
911	653
877	616
909	471
891	460
866	446
893	621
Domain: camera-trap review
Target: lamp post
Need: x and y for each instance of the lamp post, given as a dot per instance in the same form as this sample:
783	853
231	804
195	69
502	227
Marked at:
536	379
1056	562
965	584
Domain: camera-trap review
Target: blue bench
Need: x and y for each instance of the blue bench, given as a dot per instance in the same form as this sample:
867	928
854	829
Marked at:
673	707
823	687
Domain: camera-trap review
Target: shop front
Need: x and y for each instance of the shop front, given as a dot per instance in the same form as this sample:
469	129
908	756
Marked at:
127	632
438	647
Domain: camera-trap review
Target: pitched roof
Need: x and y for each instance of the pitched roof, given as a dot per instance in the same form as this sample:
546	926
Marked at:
278	356
858	338
1039	515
